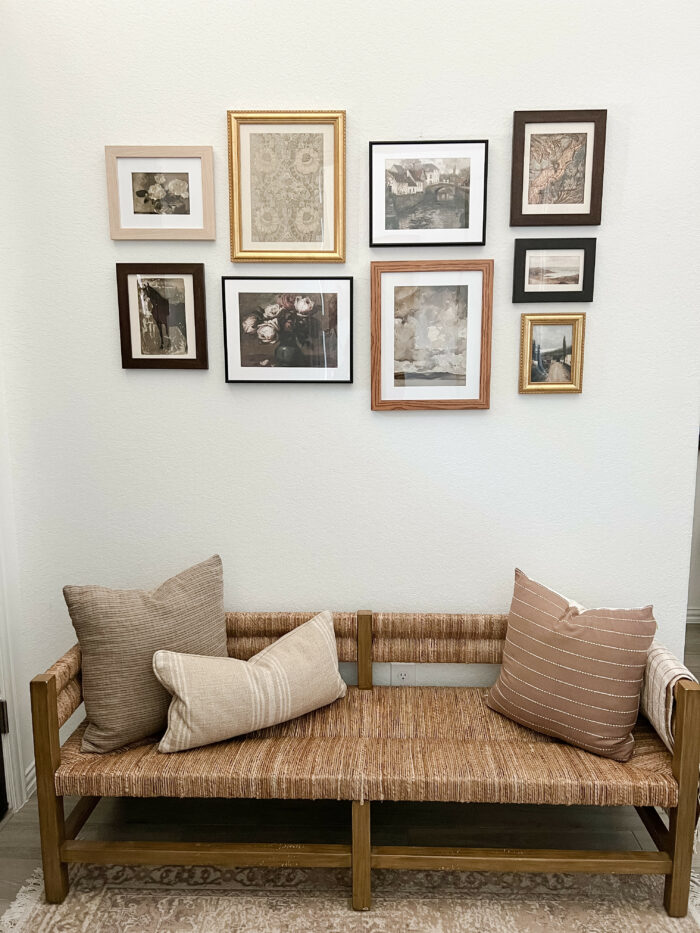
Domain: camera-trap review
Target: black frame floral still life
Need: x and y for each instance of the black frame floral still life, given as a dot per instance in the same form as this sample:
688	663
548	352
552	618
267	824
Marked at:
288	329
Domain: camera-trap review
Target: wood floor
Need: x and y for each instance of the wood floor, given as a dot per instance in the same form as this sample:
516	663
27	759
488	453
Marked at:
329	821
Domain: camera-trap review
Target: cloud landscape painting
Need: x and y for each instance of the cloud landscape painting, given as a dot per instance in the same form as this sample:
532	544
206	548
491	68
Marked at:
430	335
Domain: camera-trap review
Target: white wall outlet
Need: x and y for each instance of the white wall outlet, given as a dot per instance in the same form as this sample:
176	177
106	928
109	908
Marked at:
403	674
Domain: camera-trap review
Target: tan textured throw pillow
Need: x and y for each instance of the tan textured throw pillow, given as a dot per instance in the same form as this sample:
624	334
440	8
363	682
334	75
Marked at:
119	630
573	673
216	699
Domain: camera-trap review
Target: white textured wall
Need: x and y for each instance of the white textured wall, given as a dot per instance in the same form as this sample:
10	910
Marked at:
694	585
312	500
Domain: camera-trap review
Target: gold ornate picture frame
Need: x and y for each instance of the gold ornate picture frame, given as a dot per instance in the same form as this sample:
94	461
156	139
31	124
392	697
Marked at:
287	185
551	353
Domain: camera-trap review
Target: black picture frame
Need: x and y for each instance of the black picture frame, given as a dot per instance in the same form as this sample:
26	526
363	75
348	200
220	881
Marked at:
523	246
156	269
551	217
478	240
282	279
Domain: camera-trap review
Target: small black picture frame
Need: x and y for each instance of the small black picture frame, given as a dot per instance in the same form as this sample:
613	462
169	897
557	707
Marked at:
274	325
164	304
423	181
570	279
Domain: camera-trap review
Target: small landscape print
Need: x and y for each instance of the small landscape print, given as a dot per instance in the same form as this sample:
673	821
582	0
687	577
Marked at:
545	270
430	335
279	330
286	187
162	318
557	170
427	194
551	353
161	192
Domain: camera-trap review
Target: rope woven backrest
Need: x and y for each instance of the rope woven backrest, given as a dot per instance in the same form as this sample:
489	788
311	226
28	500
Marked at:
250	632
438	637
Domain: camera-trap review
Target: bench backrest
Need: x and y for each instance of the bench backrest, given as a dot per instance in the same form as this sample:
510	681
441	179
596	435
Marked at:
396	636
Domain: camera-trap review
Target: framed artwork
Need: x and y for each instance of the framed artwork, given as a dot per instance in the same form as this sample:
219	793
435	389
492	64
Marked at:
160	192
287	329
162	316
551	352
557	173
428	193
287	185
554	269
431	334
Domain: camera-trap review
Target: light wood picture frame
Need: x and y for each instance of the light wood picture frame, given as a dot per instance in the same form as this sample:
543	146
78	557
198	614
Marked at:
557	168
160	192
431	334
551	353
287	185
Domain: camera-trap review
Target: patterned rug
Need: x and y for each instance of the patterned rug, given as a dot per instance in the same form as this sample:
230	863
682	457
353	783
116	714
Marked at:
210	900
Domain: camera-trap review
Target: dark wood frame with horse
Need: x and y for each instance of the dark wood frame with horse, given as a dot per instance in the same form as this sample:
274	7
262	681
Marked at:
60	847
155	269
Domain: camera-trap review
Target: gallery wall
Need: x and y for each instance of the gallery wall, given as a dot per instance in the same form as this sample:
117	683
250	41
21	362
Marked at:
126	477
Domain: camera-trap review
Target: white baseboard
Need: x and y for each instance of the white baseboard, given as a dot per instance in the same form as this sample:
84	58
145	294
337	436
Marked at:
693	617
30	780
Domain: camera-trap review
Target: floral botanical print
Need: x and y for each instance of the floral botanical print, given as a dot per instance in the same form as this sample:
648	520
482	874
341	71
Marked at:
557	168
286	187
289	330
161	192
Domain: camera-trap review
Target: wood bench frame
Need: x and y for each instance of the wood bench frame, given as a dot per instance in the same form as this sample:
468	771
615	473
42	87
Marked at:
60	846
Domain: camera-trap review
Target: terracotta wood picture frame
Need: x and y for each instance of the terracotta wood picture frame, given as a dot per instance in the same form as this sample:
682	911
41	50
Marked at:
431	334
160	192
557	170
287	185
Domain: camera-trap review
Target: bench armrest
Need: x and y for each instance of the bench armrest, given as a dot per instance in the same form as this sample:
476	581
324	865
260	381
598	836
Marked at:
67	684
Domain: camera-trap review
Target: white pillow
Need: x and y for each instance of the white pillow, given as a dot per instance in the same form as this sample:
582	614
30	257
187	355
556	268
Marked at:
218	698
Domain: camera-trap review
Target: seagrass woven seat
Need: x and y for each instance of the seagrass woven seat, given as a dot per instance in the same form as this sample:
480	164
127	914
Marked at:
415	743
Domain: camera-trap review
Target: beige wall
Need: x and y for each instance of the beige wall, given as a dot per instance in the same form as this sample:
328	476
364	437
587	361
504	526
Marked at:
125	477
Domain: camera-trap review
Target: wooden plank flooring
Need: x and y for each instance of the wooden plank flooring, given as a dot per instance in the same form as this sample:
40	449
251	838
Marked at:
421	824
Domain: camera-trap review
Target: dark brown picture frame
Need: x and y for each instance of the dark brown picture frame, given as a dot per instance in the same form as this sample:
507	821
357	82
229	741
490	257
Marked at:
196	270
485	266
520	251
521	118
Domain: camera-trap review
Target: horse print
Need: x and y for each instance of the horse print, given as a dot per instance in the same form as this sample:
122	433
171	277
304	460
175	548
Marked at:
162	318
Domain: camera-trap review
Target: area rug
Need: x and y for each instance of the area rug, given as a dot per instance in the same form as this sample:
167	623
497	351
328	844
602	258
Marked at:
110	899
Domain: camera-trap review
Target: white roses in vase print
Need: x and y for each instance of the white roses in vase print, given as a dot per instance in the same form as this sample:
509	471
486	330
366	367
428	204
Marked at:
288	330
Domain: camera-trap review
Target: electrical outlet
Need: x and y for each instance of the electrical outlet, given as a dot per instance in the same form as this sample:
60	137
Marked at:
403	675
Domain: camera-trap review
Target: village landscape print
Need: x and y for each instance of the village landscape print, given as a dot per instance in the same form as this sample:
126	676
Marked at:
430	335
551	353
427	194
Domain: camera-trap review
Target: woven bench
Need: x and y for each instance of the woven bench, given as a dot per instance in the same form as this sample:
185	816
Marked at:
377	743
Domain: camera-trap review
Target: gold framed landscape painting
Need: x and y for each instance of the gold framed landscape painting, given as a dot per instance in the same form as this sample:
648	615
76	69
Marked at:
287	185
551	353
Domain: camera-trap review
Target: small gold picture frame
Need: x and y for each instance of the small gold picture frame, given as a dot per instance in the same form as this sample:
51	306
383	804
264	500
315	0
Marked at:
551	353
287	185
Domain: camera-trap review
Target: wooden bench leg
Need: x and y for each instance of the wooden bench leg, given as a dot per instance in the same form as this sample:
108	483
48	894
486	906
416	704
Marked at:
361	873
47	755
682	821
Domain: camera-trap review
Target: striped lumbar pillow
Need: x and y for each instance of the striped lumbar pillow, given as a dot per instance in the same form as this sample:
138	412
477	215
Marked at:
573	673
218	698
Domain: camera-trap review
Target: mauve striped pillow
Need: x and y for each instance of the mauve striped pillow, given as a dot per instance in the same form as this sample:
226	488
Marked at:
573	673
